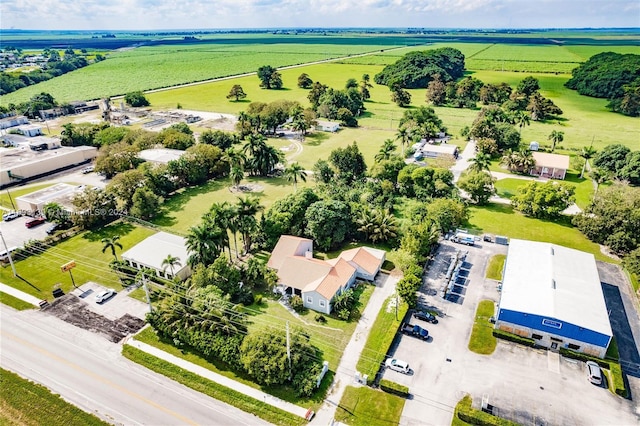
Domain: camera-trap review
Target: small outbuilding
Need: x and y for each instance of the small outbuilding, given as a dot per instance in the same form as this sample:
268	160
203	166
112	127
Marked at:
152	252
553	294
328	126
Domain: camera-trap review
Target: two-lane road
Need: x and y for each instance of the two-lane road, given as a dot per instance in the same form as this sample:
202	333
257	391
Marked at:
91	373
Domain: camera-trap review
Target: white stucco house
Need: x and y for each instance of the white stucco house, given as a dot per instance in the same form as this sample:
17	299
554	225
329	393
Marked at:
317	281
152	251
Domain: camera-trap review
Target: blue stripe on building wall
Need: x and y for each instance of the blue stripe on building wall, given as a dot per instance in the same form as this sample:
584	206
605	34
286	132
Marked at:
554	326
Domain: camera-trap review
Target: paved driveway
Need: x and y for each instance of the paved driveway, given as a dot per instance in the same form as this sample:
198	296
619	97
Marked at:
529	386
16	234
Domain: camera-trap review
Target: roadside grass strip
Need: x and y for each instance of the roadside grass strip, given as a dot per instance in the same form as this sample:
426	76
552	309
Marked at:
14	302
363	406
23	402
201	383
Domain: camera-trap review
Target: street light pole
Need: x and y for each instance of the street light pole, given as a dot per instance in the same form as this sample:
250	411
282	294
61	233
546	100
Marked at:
13	267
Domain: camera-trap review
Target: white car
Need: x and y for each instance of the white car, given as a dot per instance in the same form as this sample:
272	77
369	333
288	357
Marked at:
397	365
594	372
87	169
104	295
7	217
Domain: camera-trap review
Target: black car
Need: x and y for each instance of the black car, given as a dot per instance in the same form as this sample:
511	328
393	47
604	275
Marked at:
53	228
425	316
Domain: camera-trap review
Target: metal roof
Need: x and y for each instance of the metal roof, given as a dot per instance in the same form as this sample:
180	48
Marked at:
554	281
152	251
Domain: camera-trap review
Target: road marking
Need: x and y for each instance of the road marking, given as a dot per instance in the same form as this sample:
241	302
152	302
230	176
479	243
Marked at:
99	378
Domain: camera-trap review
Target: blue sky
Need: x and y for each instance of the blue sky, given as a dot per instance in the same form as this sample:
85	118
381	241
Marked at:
183	14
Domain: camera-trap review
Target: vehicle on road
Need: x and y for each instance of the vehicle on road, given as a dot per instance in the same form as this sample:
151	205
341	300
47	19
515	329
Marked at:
425	316
38	220
397	365
87	169
104	295
415	331
594	372
463	238
8	217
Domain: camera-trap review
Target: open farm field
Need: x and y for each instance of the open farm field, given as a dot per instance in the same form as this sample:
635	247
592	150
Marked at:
154	67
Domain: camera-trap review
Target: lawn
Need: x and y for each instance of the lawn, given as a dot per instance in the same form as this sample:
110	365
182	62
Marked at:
14	302
501	219
40	273
259	408
496	264
363	406
381	337
23	402
185	209
482	341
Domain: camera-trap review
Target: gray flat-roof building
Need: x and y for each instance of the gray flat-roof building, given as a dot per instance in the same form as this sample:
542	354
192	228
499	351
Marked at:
152	251
160	155
553	295
61	193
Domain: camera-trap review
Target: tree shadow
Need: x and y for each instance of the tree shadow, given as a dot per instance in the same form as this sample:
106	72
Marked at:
315	138
115	229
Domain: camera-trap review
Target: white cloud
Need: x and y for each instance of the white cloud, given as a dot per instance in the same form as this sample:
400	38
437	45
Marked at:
169	14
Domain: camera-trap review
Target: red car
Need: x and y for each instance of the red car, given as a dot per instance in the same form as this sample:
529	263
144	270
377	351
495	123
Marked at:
34	222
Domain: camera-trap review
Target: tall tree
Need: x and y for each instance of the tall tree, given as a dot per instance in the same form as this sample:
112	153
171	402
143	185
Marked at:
170	262
556	137
294	172
248	207
269	77
586	153
522	118
236	93
304	81
404	136
480	162
386	151
111	244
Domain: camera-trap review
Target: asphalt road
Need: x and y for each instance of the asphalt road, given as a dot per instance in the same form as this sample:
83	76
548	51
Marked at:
91	373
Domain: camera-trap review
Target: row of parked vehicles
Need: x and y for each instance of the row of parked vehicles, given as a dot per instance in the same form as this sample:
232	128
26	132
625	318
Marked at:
413	330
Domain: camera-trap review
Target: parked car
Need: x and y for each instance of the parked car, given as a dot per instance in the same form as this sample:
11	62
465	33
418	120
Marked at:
53	228
8	217
38	220
397	365
594	372
420	333
425	316
87	169
104	295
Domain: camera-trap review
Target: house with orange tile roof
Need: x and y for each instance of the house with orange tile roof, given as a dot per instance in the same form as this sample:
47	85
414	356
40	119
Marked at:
317	281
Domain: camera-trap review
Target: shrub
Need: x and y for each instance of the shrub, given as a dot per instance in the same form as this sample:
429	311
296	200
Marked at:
583	357
394	388
320	318
257	299
514	338
477	417
296	304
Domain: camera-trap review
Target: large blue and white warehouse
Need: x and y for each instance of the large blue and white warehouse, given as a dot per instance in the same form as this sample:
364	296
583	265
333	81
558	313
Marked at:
553	295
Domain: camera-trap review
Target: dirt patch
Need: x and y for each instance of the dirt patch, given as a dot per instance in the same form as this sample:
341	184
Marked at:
74	311
250	187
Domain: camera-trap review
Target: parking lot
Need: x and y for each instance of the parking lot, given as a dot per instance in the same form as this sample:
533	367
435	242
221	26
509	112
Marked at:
526	385
115	318
16	234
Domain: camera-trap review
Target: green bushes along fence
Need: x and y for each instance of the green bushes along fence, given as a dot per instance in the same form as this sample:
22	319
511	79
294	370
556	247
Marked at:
394	388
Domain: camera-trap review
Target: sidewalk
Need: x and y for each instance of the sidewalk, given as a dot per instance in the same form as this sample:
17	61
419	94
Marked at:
346	369
224	381
20	294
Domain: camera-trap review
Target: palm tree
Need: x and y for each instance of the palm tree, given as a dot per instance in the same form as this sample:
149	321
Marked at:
222	215
378	226
556	137
510	160
266	159
386	151
480	162
235	157
247	207
525	160
587	153
294	172
255	142
205	242
170	262
236	174
599	176
522	119
111	243
404	135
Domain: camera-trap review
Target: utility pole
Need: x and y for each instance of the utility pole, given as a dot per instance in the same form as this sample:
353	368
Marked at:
289	350
13	267
146	291
14	206
396	305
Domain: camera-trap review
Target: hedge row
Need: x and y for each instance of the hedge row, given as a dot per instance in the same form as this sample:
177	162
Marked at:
478	417
394	388
616	371
514	338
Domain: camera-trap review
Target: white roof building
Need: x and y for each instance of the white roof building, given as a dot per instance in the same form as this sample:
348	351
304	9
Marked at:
152	251
553	294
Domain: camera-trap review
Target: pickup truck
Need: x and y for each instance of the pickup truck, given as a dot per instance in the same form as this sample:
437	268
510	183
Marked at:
415	331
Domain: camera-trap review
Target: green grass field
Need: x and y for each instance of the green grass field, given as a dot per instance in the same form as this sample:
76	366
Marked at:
25	403
39	274
259	408
482	341
14	302
363	406
501	219
494	269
